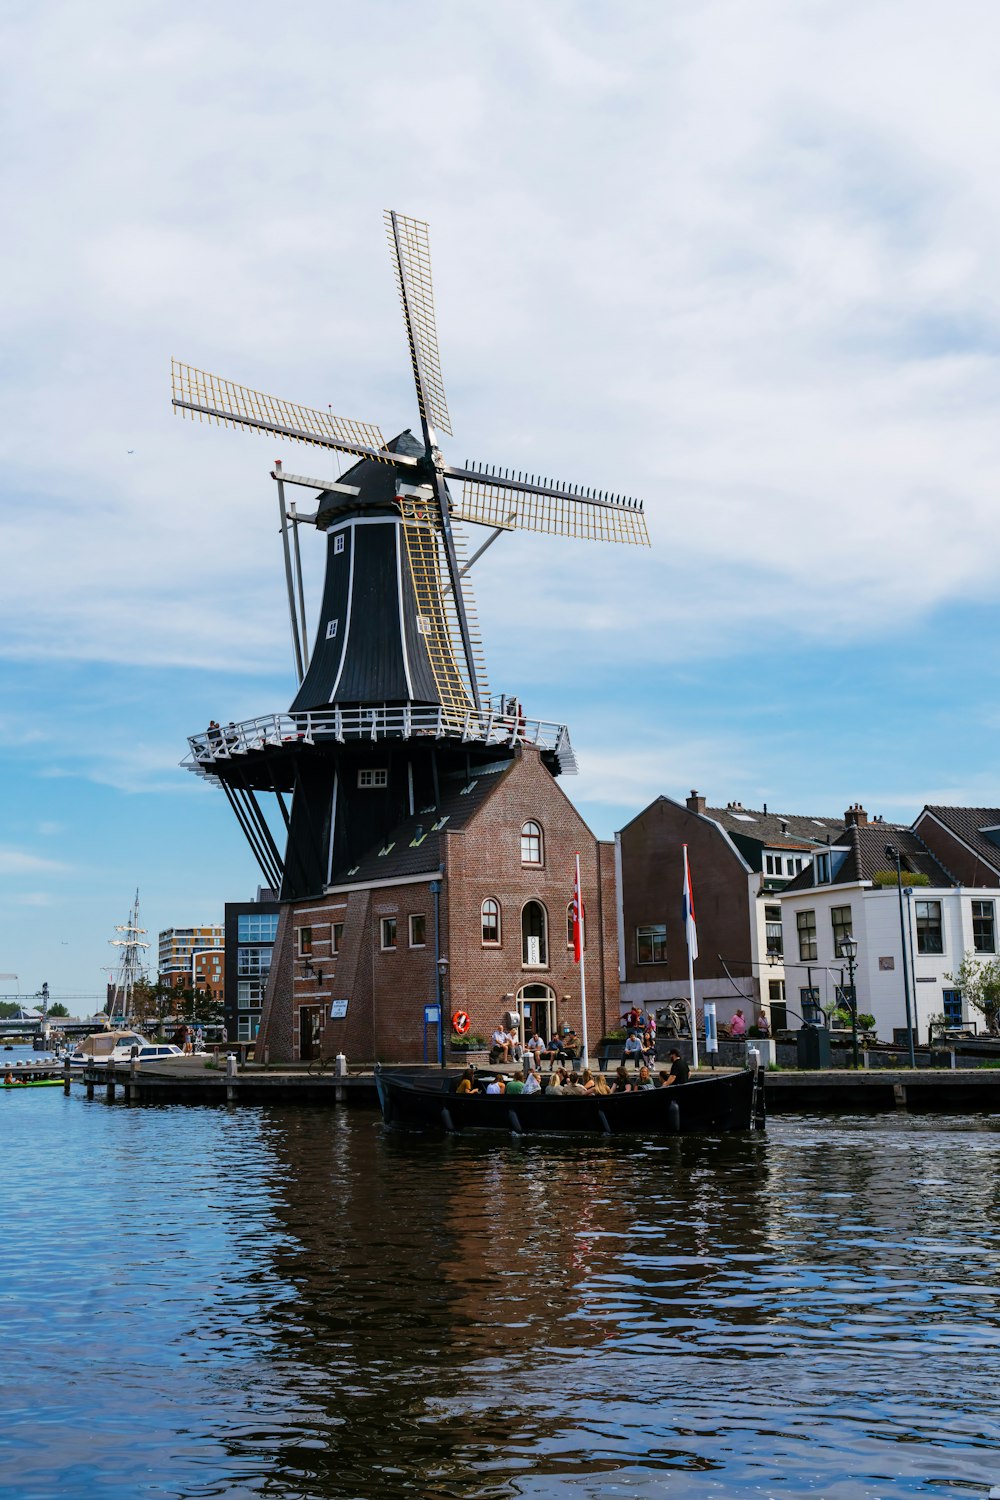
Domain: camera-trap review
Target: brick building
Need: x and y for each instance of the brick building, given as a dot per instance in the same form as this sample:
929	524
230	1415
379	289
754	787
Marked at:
484	879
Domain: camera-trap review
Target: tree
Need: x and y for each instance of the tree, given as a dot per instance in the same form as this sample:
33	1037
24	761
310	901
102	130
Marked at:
9	1011
58	1010
979	981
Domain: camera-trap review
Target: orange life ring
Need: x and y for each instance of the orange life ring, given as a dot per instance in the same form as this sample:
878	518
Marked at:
460	1022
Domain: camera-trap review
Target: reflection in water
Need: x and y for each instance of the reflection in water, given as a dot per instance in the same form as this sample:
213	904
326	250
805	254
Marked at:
297	1303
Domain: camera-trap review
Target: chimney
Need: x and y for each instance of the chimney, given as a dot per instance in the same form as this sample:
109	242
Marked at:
856	817
695	803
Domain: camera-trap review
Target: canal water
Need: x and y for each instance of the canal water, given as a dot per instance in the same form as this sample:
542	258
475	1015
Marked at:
295	1303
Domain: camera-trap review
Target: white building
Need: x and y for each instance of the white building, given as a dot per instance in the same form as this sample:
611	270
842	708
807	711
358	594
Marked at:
851	890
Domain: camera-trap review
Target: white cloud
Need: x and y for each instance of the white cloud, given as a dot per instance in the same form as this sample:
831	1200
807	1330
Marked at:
18	862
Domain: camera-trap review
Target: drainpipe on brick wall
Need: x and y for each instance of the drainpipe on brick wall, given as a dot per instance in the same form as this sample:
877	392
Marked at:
435	889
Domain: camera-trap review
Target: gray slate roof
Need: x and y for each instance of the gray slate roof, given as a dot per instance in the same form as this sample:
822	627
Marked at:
966	823
866	856
461	799
776	830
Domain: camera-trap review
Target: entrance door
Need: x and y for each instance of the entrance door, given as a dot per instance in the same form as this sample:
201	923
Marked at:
310	1031
536	1005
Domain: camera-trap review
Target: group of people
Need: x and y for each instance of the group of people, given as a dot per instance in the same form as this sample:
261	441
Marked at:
564	1081
189	1041
563	1046
738	1025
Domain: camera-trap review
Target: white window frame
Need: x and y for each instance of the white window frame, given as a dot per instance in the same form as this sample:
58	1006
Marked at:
332	626
484	941
338	542
529	839
417	916
373	778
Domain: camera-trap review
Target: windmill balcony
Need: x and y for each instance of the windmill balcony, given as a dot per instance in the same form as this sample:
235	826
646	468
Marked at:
282	732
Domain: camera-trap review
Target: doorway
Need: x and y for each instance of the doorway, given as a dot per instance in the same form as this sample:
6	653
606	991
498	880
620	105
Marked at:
536	1006
310	1031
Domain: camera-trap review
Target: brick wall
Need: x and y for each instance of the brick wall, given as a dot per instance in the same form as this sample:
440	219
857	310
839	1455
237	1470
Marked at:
387	990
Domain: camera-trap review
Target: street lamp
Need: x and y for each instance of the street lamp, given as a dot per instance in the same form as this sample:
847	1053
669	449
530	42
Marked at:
849	950
442	974
893	854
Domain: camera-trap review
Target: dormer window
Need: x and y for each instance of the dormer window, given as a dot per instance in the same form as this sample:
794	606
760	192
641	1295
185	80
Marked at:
824	868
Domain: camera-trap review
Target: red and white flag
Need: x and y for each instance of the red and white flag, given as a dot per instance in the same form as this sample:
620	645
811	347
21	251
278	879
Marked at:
578	916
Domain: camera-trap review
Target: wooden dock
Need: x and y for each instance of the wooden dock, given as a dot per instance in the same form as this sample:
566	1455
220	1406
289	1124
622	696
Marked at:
831	1091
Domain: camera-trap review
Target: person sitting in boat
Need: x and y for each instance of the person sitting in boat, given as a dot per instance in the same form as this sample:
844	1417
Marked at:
601	1088
467	1082
574	1085
496	1086
515	1085
634	1049
621	1084
501	1046
645	1080
587	1080
555	1084
532	1082
8	1077
679	1070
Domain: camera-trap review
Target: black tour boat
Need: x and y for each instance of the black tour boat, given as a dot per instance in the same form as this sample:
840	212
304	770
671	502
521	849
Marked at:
722	1102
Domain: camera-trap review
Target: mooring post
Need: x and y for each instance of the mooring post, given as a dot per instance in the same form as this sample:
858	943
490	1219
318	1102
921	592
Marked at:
231	1084
67	1075
132	1087
109	1090
89	1080
899	1095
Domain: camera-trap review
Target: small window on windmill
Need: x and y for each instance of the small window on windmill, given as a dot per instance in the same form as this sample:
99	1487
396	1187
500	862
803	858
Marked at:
338	542
373	778
331	629
423	624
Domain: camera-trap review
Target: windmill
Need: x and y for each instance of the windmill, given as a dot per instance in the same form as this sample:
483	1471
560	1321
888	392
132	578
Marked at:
397	660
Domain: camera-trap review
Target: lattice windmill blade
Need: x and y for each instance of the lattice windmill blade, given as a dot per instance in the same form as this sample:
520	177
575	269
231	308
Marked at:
409	244
437	613
209	397
512	501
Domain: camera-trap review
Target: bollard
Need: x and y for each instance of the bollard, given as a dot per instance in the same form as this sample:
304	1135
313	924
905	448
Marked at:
231	1085
753	1058
67	1076
340	1065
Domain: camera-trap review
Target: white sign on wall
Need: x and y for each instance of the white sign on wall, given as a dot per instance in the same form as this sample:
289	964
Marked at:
534	950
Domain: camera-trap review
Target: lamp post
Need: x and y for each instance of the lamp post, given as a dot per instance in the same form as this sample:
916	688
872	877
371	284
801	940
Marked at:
442	974
849	949
893	854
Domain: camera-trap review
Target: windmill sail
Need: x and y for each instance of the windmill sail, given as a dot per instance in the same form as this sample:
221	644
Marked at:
437	616
199	394
409	244
516	502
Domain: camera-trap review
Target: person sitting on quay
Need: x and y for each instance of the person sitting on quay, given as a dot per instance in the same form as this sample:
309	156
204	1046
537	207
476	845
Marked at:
634	1049
570	1048
500	1045
534	1050
679	1070
738	1025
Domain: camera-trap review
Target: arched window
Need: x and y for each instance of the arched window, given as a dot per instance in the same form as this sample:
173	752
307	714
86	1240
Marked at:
491	922
534	934
531	844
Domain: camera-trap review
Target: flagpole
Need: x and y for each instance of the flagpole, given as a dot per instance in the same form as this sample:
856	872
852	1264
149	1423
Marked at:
688	924
583	964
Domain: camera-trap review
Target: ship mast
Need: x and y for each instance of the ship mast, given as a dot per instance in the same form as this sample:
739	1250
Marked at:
130	963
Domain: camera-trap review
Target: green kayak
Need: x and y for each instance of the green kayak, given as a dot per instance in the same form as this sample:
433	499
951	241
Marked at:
35	1083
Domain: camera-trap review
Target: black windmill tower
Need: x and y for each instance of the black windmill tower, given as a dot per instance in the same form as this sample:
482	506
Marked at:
392	700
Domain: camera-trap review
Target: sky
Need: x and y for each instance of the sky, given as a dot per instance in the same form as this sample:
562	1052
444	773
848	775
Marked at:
739	261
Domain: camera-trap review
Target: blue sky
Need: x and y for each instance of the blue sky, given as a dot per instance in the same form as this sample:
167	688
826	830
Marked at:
739	261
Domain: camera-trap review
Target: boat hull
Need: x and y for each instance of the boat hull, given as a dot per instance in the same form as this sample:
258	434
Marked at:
725	1102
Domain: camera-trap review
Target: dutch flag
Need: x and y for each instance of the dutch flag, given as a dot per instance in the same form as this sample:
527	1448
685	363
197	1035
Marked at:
690	928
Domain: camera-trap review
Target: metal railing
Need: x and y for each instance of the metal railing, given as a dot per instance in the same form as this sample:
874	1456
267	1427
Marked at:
277	731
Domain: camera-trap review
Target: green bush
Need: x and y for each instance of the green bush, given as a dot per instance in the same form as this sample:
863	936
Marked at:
469	1043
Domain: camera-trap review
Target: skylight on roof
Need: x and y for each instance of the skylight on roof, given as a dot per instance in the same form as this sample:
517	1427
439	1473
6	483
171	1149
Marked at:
817	822
744	818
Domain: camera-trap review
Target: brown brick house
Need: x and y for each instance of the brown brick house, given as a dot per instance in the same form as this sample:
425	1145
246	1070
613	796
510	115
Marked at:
483	878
